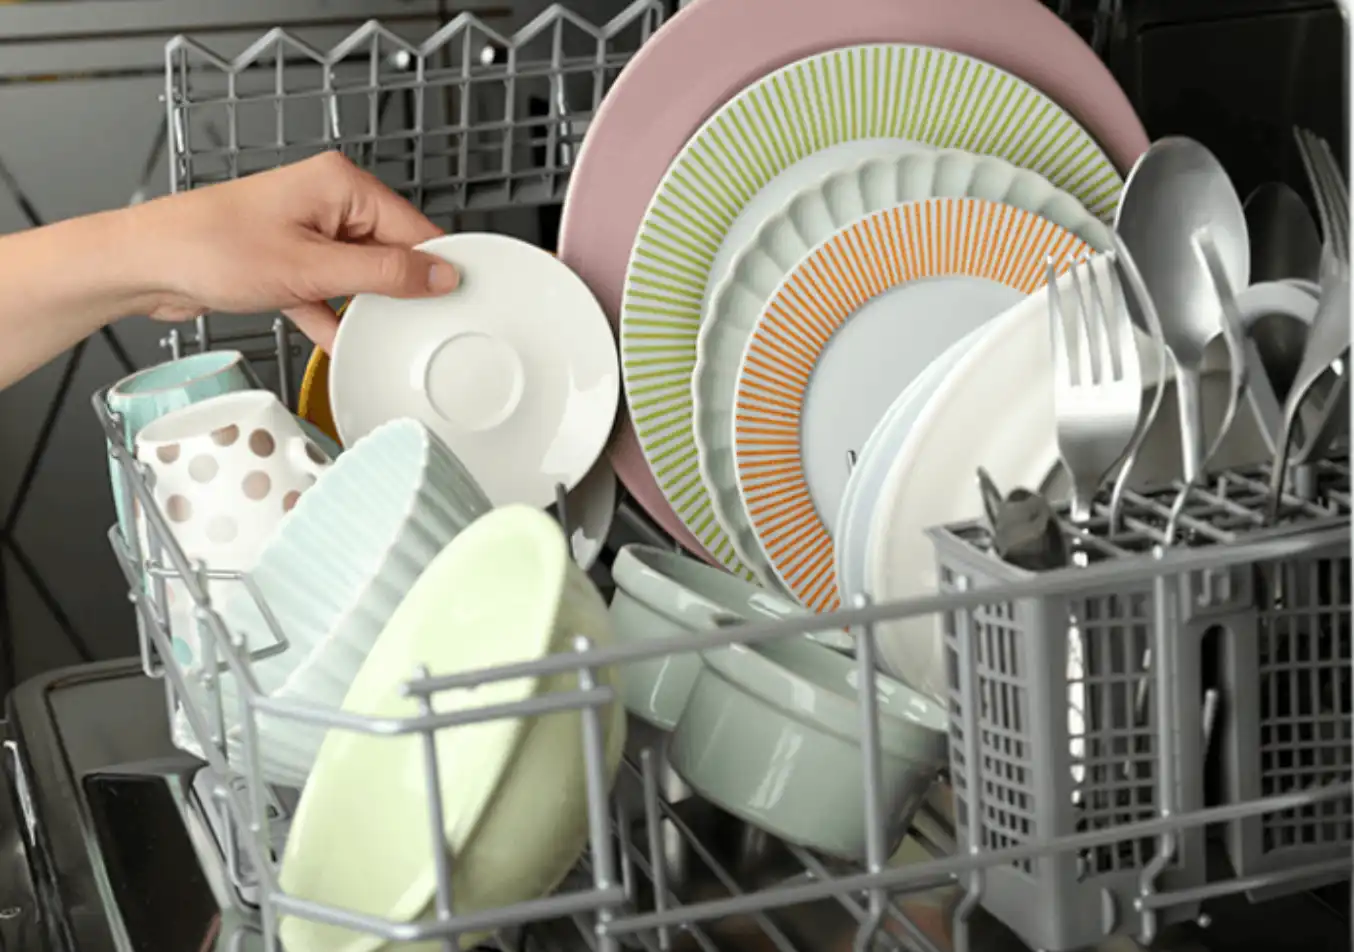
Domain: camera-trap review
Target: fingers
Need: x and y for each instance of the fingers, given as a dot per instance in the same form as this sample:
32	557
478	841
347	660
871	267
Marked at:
387	218
337	269
372	211
317	321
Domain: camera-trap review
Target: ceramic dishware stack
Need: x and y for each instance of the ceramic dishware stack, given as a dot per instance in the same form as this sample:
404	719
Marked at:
328	580
151	393
667	133
504	591
225	471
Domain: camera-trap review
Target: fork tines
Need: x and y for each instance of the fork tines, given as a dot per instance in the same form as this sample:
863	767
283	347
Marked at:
1097	380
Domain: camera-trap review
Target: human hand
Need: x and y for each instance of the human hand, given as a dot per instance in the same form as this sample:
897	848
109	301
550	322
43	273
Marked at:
290	239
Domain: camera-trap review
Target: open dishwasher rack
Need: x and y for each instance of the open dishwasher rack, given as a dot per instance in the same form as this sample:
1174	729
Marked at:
622	893
444	121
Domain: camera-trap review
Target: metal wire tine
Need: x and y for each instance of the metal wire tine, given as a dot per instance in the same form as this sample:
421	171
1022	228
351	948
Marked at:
1304	139
1087	371
654	834
1337	193
443	896
875	849
601	853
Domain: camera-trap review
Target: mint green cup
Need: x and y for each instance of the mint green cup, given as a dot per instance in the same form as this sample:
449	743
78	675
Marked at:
149	394
771	733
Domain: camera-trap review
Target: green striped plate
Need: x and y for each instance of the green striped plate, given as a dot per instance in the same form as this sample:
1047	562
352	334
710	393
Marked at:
876	92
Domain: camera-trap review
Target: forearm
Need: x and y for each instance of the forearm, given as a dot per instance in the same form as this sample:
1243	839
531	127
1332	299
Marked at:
62	282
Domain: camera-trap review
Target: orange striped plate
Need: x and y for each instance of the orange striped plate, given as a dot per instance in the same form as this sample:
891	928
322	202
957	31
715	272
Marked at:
938	237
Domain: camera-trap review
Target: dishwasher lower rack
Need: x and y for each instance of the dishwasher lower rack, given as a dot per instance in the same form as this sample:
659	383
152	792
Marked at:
1027	825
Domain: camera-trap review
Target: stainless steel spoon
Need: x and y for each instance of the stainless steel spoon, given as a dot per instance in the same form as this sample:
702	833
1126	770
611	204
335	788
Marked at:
1176	188
1242	361
1283	236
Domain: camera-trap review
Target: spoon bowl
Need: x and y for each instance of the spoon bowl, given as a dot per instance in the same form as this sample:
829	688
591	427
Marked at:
1176	188
1280	339
1284	240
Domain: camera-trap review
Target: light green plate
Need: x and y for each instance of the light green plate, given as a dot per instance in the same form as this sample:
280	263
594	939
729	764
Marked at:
775	136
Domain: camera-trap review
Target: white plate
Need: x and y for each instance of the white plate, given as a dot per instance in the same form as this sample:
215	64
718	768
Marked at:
995	409
818	211
855	519
515	370
849	327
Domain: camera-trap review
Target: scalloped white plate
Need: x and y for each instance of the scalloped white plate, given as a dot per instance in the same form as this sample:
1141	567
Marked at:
820	210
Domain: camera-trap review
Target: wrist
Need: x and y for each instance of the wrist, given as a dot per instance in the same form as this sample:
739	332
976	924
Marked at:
136	266
110	272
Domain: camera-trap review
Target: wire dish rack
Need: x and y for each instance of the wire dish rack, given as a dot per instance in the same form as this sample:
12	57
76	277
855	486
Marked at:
1064	857
467	119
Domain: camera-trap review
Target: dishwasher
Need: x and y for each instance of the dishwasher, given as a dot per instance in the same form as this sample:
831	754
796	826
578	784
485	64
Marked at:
116	841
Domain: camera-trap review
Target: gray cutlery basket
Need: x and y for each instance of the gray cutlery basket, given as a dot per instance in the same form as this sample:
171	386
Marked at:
1272	639
1287	728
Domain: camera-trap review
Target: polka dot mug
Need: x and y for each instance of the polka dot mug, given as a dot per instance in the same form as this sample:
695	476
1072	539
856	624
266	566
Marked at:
224	471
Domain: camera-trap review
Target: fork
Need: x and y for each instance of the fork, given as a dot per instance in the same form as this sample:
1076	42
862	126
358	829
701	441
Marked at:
1097	381
1329	337
1239	365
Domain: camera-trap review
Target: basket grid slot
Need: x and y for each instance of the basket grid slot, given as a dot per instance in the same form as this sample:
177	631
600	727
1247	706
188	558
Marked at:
1007	780
1112	725
1110	734
1305	697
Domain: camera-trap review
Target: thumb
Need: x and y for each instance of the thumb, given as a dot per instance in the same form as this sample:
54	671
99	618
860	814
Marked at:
347	269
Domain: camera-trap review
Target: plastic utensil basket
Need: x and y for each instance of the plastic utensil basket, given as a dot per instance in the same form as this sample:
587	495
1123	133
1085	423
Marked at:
1064	697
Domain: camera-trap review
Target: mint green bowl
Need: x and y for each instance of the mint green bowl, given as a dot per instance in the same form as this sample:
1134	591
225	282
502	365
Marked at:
660	593
771	733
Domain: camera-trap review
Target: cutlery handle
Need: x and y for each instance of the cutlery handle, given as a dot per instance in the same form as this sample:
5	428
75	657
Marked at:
1189	387
1264	401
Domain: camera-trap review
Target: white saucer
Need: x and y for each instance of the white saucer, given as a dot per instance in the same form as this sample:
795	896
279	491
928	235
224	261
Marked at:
515	370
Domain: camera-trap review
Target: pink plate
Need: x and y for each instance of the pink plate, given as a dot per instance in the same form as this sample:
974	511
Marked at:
709	52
